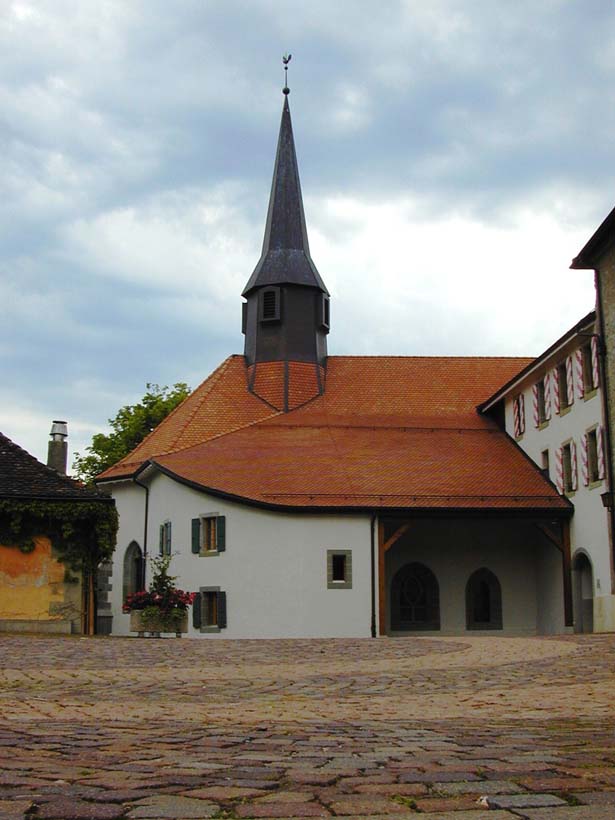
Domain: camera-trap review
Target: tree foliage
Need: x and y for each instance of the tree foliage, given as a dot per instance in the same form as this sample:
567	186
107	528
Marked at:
129	427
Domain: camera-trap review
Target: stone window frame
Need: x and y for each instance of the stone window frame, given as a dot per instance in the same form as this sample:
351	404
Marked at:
210	628
347	582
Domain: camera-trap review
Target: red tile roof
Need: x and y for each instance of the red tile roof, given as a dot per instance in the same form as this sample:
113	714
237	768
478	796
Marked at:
389	432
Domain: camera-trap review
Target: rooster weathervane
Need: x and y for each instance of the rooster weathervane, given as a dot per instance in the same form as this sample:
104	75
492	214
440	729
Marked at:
286	60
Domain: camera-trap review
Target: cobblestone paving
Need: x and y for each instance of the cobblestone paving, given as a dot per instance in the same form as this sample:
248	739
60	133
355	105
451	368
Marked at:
464	729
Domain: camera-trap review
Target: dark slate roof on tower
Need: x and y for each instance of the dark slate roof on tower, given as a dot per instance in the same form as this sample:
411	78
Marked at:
23	476
285	258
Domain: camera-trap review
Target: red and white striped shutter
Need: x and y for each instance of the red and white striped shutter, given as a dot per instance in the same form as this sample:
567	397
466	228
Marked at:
554	381
584	460
595	371
578	360
516	419
573	465
535	405
569	381
559	469
521	413
600	448
548	388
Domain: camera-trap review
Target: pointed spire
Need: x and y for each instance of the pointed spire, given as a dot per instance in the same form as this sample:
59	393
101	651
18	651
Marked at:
285	258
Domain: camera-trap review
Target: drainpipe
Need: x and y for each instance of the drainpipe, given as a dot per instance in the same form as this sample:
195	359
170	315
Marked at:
146	488
373	573
602	354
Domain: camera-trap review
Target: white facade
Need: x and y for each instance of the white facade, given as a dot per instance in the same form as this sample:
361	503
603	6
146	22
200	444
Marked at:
544	432
273	569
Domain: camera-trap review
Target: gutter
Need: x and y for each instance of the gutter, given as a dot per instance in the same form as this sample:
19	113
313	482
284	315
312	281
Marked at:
373	573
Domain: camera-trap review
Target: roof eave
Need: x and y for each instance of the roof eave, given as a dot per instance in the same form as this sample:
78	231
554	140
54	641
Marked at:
538	361
427	511
597	244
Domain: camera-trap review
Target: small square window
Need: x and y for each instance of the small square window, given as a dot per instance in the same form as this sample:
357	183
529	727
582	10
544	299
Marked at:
339	569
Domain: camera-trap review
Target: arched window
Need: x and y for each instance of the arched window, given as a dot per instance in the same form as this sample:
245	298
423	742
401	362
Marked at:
415	598
133	569
483	601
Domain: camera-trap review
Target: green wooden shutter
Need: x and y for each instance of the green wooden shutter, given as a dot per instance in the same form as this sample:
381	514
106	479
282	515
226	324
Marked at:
168	544
161	542
196	611
196	535
221	609
221	533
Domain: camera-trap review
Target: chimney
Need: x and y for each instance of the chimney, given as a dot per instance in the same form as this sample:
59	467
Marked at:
57	452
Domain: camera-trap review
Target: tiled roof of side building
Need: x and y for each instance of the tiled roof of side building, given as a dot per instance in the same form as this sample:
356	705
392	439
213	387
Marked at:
23	476
388	432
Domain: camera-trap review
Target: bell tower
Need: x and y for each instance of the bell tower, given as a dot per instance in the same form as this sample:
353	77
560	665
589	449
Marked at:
286	312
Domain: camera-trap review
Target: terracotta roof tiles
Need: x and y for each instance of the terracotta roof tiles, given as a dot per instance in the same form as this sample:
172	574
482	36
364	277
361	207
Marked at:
389	432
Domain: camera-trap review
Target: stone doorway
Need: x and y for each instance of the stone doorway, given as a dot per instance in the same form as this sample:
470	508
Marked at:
583	593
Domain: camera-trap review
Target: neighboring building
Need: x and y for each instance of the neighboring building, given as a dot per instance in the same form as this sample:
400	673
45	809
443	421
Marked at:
312	495
598	255
42	583
553	410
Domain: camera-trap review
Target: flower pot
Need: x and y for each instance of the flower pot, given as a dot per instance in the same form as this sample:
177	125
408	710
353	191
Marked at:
141	623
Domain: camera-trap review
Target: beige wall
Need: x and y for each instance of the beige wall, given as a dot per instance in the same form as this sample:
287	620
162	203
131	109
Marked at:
607	299
33	590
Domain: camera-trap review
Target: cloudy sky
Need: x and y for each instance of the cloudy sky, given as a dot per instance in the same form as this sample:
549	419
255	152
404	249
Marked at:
454	156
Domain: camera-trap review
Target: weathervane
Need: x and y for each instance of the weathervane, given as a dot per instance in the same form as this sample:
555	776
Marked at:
286	60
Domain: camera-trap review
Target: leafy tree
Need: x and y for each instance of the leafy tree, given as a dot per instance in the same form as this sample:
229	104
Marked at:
129	427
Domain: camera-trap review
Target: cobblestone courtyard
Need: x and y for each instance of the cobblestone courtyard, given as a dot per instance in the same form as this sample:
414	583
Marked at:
97	729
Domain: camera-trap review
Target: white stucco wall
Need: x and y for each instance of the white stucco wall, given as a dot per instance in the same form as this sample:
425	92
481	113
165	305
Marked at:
274	568
589	525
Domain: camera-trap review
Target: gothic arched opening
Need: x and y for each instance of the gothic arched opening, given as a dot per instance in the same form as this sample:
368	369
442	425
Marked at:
483	601
132	580
415	599
583	593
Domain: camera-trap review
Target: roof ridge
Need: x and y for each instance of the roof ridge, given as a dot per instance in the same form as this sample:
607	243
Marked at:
213	377
216	437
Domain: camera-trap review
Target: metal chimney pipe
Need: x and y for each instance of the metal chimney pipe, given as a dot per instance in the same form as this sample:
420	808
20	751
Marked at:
57	451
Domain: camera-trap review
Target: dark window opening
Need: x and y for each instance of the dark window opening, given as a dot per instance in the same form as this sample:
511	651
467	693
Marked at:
562	378
588	368
270	305
325	319
545	463
542	405
593	465
567	468
210	609
483	601
339	567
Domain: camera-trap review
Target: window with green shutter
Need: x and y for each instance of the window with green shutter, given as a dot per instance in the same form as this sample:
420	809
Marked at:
164	543
209	610
209	534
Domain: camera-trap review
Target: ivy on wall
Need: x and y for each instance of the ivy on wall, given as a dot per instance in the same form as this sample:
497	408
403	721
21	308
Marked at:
82	532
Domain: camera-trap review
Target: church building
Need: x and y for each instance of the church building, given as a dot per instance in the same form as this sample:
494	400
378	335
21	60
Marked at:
308	495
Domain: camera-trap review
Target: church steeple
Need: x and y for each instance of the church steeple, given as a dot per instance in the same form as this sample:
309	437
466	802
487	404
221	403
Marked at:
285	258
286	313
